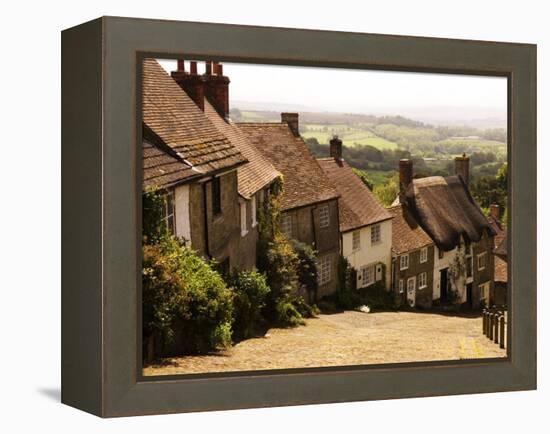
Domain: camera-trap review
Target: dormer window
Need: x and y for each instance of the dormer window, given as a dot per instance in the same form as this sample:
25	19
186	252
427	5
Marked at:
324	217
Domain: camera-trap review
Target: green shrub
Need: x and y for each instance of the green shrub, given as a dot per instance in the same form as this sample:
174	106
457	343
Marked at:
307	268
154	227
184	299
377	297
287	315
346	290
250	293
304	308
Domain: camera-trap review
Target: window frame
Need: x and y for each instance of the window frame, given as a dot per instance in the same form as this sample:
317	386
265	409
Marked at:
216	196
243	216
169	196
423	282
401	258
482	255
401	286
324	216
324	270
354	247
286	220
254	211
378	231
423	255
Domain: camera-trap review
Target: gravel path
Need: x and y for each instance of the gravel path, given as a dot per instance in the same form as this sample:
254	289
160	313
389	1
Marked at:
348	338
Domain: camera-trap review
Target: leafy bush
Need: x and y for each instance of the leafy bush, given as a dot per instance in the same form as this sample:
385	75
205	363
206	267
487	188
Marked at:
278	261
346	290
378	298
307	267
184	300
154	226
250	293
287	315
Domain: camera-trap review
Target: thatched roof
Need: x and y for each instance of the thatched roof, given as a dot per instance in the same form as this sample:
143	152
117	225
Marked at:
446	210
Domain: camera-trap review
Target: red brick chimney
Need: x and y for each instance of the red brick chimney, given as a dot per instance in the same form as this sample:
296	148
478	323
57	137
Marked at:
190	82
462	168
336	148
217	88
405	174
293	123
494	211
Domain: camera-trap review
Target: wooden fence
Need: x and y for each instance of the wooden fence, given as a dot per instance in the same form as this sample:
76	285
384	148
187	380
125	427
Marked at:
495	327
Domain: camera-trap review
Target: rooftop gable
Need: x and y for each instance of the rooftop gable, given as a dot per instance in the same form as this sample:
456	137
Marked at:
357	205
305	183
446	210
259	172
407	234
182	126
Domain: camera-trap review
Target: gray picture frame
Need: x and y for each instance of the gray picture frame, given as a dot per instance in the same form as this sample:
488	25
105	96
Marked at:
101	188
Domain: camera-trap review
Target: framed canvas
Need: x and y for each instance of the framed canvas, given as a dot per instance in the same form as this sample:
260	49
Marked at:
134	116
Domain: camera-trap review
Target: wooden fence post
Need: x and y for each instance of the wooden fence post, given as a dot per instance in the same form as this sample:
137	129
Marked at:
491	325
502	332
484	326
497	321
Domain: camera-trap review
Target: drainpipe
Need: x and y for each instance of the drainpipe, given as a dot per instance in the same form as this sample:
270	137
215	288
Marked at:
205	209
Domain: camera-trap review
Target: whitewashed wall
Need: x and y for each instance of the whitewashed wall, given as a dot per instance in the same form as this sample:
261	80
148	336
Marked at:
369	254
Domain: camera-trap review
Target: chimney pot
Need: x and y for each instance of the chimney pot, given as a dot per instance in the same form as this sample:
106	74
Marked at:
292	119
220	69
462	168
208	67
217	88
192	84
181	65
405	174
336	148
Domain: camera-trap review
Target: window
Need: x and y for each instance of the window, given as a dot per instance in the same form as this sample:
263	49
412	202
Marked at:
401	286
253	212
423	255
216	196
482	261
422	280
168	212
368	275
404	261
286	225
356	241
411	284
484	293
244	223
323	270
324	216
375	236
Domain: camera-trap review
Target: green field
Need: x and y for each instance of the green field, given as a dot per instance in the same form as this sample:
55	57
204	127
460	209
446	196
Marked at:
350	135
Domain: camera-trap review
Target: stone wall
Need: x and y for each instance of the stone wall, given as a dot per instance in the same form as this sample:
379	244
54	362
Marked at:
423	296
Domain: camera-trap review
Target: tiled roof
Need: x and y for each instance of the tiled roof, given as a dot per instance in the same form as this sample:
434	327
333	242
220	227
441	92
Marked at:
357	205
501	244
161	169
305	182
407	235
501	270
259	172
446	210
181	125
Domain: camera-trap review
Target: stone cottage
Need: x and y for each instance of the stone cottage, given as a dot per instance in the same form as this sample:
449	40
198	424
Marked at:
365	225
309	205
210	92
196	156
444	208
412	269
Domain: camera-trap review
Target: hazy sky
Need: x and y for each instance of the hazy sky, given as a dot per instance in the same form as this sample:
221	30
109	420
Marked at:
327	89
